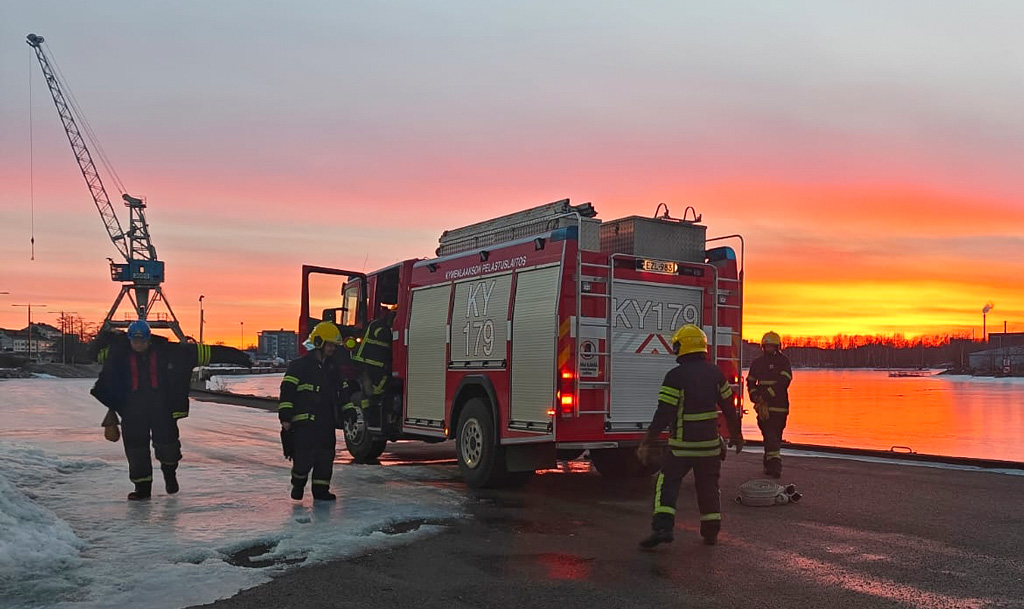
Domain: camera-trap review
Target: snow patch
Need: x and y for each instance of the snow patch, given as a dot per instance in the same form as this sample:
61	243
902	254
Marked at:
70	540
38	550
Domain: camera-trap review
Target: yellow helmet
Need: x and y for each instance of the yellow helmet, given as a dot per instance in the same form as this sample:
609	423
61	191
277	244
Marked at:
324	332
690	339
771	338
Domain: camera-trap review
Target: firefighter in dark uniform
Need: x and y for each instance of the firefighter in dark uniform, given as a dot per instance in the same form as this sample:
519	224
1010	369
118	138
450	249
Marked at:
310	392
145	379
374	356
687	406
768	385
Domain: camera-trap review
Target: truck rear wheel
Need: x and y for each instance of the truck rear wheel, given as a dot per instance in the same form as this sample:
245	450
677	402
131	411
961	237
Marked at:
481	459
620	463
359	442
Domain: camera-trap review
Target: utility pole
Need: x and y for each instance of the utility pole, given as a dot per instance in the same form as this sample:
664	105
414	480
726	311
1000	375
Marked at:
201	320
29	306
65	325
241	340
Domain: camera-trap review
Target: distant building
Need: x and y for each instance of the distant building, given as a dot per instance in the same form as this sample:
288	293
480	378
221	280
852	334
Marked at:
47	331
1005	339
279	343
43	341
1006	360
6	340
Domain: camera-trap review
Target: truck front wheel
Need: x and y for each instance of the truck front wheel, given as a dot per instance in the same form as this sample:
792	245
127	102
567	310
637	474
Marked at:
360	443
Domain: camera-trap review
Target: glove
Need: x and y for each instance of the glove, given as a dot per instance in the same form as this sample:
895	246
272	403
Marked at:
288	443
761	408
112	433
648	454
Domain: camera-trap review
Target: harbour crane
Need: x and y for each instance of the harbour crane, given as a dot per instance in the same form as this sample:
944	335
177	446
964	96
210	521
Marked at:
141	273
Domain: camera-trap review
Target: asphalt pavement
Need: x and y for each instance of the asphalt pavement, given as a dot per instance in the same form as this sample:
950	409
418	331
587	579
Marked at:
865	534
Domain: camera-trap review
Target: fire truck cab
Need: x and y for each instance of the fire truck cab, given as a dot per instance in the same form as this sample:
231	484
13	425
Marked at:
537	336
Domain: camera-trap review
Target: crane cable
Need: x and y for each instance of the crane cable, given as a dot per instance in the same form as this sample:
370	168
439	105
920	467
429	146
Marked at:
87	128
31	163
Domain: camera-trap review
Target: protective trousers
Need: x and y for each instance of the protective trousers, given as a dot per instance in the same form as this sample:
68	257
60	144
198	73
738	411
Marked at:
373	381
315	445
706	471
146	418
771	431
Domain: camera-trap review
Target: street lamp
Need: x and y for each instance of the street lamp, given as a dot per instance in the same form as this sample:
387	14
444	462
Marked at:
201	319
29	325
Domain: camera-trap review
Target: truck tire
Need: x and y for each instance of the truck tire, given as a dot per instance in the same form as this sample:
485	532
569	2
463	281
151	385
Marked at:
481	458
620	463
359	442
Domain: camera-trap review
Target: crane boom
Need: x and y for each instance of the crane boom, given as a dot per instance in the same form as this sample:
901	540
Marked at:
82	155
141	273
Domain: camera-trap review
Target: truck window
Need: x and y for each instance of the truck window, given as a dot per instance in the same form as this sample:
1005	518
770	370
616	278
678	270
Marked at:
350	304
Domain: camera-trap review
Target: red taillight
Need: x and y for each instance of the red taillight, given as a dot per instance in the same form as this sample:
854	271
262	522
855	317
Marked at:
566	392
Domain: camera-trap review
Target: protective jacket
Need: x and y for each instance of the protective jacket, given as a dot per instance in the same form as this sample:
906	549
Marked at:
687	405
310	389
375	348
768	381
165	368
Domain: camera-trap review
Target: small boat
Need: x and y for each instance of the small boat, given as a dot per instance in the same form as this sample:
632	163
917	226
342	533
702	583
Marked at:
908	373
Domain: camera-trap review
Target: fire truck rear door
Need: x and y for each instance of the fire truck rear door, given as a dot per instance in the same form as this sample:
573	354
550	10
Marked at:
644	317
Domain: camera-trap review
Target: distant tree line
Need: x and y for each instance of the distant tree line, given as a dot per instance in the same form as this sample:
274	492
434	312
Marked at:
876	351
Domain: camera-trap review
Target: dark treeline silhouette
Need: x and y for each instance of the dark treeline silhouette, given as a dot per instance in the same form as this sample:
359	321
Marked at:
878	351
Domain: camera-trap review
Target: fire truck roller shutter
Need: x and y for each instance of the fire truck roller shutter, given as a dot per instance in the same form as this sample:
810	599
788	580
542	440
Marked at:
480	321
428	324
534	332
645	315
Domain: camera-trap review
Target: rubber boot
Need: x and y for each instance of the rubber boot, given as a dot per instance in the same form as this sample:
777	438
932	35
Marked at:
709	531
170	478
143	490
297	490
657	536
322	493
774	468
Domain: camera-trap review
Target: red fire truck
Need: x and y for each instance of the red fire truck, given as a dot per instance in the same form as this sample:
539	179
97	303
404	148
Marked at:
539	335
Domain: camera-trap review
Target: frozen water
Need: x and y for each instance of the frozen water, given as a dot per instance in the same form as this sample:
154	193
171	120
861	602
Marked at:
262	385
68	538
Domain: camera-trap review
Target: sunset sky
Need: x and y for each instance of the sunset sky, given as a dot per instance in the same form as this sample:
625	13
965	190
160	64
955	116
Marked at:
871	153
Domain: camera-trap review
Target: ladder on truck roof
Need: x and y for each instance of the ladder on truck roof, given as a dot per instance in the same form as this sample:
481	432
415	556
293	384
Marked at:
526	223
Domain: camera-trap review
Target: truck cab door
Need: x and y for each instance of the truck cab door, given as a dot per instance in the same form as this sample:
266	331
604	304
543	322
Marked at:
351	313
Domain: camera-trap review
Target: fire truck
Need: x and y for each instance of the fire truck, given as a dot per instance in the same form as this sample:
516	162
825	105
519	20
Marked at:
535	336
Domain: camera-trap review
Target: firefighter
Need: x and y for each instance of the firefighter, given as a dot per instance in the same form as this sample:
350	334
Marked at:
687	406
145	379
768	385
310	391
374	356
